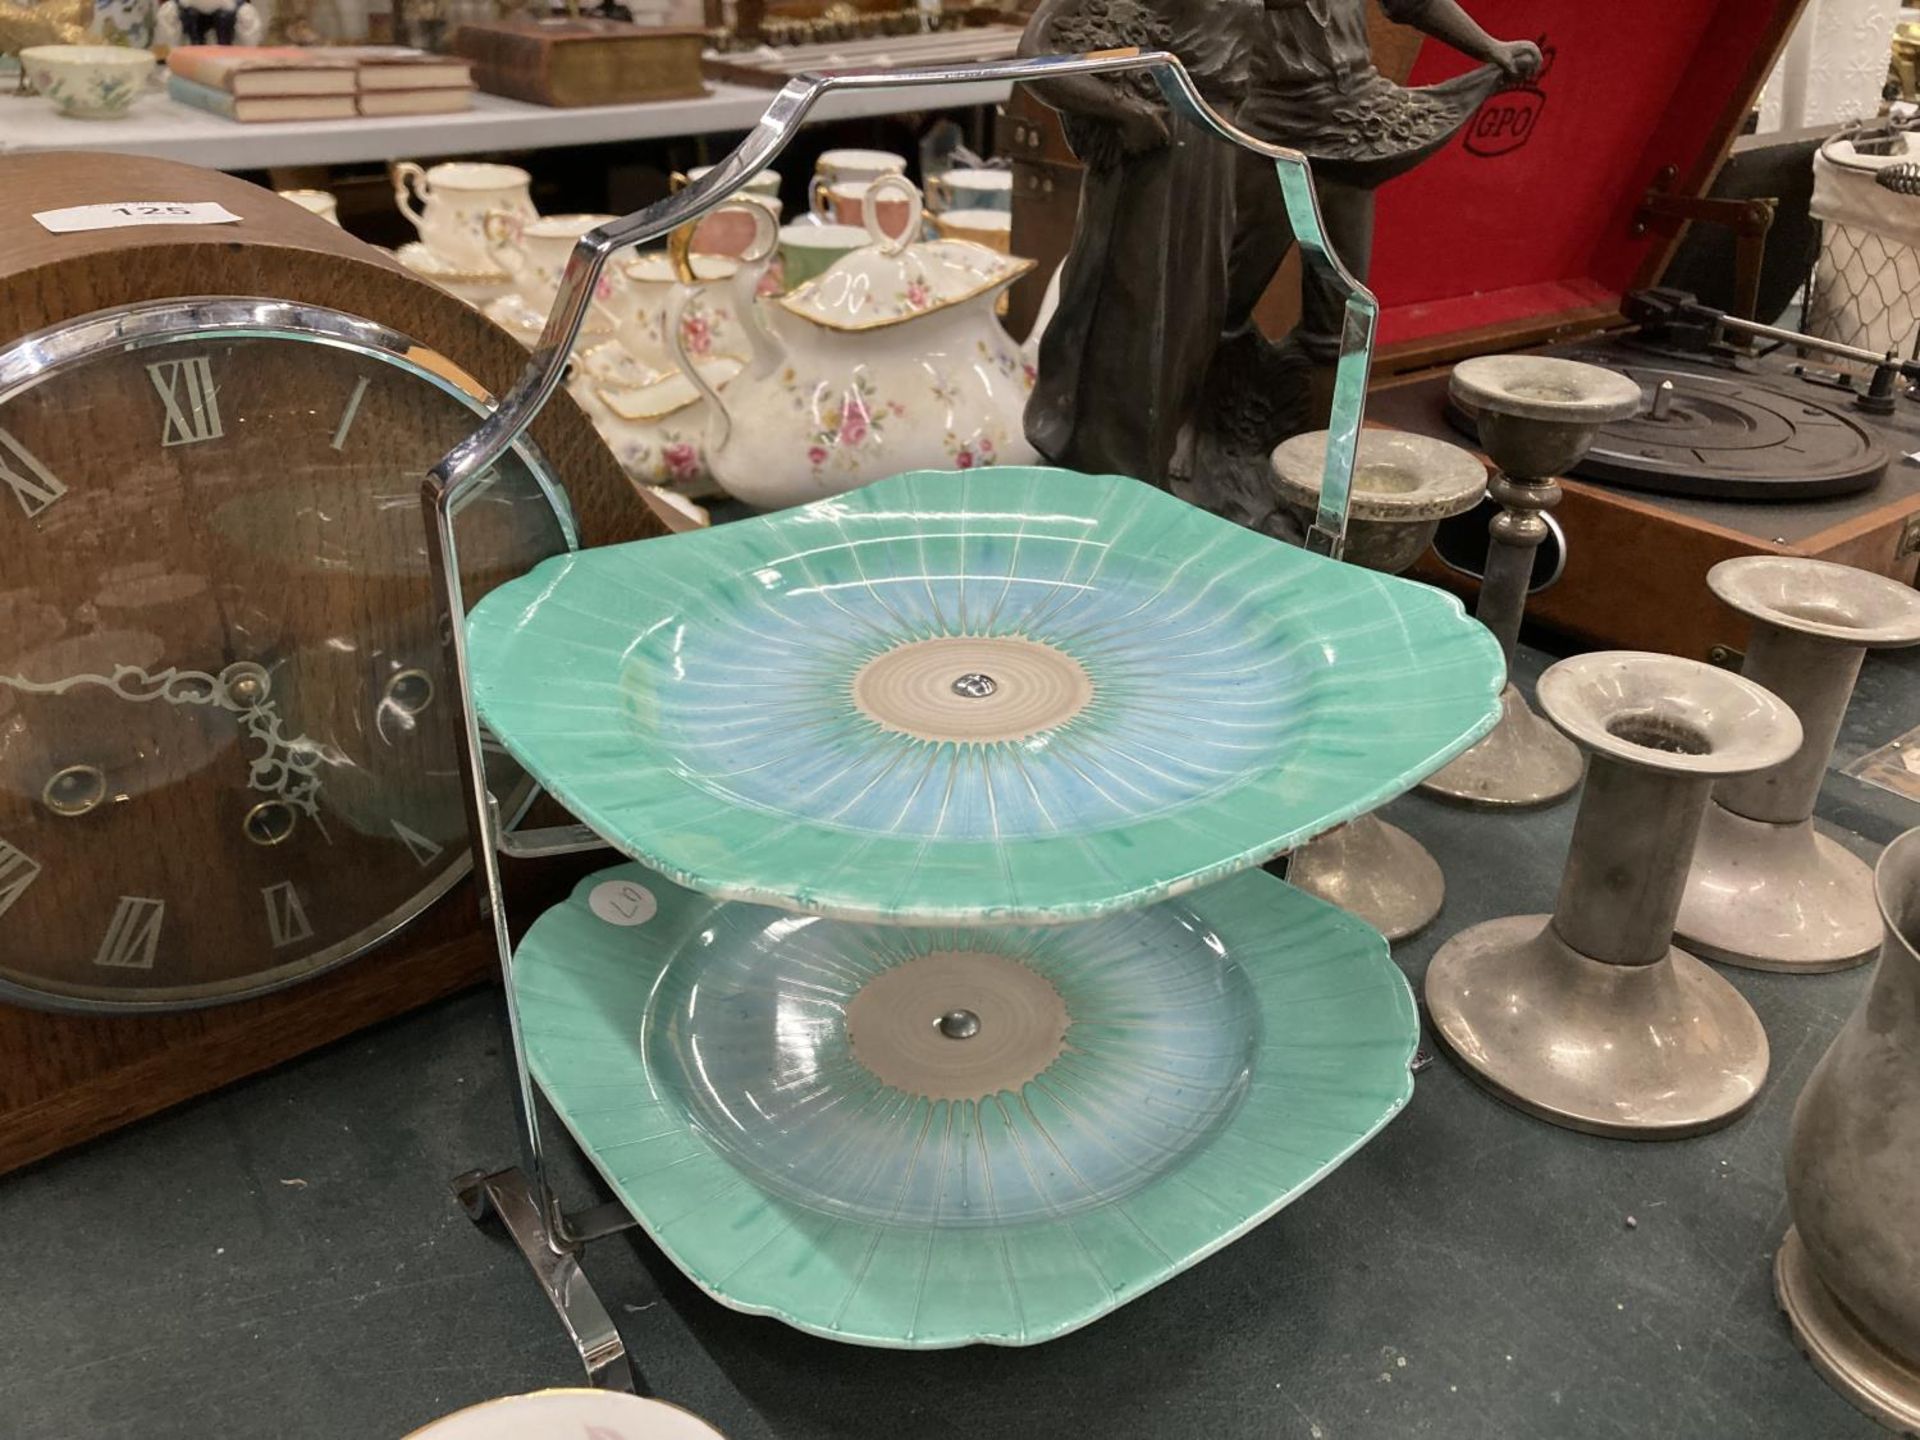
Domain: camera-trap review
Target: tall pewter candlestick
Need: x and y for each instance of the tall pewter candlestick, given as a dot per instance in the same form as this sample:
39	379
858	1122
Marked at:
1403	487
1537	418
1767	891
1589	1017
1848	1273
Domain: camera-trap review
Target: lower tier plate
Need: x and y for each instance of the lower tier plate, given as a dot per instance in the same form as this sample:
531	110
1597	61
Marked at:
921	1138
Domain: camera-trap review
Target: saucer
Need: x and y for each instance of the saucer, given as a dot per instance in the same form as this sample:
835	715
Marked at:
476	287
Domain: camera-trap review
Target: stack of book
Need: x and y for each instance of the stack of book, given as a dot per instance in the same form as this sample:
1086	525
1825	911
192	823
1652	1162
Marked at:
318	82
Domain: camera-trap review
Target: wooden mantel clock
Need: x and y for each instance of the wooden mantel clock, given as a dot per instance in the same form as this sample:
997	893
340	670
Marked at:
229	798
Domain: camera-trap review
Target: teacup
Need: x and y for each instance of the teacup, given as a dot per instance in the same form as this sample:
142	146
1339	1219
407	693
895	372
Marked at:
657	287
808	249
898	207
971	190
88	82
455	199
992	228
534	252
317	202
840	167
478	289
729	231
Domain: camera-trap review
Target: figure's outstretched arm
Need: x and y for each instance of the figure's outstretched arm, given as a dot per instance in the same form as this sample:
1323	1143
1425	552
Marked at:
1445	21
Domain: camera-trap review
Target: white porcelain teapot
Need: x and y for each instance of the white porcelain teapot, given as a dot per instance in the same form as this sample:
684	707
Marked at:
890	360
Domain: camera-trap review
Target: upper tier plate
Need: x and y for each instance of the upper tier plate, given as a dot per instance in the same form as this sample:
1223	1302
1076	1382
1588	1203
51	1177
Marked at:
998	695
931	1136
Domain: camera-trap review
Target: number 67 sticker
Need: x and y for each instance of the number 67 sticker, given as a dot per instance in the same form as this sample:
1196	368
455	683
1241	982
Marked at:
134	212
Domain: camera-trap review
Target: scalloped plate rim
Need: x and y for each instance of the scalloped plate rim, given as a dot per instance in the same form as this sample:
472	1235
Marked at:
1446	608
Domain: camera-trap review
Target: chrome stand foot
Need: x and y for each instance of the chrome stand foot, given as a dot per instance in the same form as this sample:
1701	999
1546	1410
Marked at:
508	1195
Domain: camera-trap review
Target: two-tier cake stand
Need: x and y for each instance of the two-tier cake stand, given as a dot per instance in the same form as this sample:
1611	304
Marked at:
939	999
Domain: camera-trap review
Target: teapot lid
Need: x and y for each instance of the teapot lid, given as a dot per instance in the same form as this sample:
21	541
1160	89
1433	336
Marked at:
890	280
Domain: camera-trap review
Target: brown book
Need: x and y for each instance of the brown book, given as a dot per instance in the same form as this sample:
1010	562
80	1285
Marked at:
570	63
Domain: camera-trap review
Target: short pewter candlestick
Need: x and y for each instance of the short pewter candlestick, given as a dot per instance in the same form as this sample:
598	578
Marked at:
1537	417
1403	487
1767	891
1589	1017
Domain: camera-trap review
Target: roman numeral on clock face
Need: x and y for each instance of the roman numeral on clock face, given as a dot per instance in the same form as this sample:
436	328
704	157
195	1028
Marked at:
187	388
133	935
287	921
32	484
18	870
423	850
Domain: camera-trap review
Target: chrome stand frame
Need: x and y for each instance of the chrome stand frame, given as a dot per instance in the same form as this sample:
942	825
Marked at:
523	1198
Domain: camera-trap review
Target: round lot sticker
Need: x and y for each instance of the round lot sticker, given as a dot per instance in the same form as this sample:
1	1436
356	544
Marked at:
621	902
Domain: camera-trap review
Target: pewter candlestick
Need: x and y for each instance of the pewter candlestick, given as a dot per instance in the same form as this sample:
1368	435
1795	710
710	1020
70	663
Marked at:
1403	487
1590	1018
1537	417
1767	891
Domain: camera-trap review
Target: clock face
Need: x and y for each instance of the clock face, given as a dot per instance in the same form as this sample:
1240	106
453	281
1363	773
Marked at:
227	730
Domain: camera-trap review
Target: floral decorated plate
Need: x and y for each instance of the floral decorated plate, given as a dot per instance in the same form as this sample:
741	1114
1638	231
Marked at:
927	1137
569	1415
1013	694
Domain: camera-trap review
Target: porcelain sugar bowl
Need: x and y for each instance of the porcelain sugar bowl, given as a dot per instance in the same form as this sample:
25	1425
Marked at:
891	360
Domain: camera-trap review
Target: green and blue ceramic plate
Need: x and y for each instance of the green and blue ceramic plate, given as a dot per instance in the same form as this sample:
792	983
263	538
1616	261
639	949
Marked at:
922	1137
1003	695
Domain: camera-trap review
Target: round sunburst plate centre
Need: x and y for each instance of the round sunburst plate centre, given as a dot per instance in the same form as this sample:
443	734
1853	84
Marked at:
904	1025
972	688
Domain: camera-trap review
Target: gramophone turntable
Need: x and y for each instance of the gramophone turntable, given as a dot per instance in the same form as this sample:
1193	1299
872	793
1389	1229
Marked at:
1783	445
1739	430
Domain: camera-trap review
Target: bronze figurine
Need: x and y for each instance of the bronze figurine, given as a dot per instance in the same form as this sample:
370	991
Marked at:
1152	366
1143	290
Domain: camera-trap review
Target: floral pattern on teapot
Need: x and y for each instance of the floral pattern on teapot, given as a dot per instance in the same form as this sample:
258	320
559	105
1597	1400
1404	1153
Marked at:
889	360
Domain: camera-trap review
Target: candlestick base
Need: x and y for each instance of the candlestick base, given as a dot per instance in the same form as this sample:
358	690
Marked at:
1651	1052
1375	871
1777	897
1522	762
1872	1378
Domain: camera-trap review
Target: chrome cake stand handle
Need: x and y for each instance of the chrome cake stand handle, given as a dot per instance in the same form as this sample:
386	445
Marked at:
1589	1017
1767	891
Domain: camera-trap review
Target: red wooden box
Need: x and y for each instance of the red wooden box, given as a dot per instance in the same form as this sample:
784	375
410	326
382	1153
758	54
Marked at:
1528	223
1533	223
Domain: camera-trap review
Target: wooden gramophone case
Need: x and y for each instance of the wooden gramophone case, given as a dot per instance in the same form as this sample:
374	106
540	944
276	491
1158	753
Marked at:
1534	223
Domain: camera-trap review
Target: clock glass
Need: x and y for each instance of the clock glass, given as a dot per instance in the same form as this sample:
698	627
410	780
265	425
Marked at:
227	748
